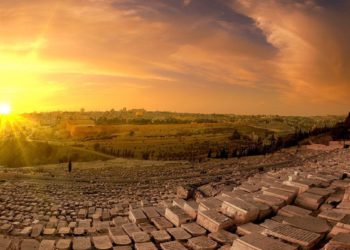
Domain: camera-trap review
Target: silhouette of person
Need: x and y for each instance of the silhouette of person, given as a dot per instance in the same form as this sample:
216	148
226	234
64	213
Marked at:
70	166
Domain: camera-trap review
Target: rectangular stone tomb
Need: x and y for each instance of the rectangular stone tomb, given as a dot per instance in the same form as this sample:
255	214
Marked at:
162	223
223	237
131	228
151	212
172	245
274	202
286	188
332	215
309	200
325	192
191	208
302	185
305	239
179	233
118	236
240	211
234	193
179	202
213	221
287	196
137	216
309	223
343	226
264	209
339	242
256	241
82	213
177	216
194	229
210	204
249	228
291	210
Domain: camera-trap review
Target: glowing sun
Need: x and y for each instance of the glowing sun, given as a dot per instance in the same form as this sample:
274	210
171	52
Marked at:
5	109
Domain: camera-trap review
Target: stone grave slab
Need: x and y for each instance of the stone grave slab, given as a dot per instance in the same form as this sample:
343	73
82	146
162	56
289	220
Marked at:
274	202
145	246
179	202
210	204
37	230
191	208
137	216
122	248
102	242
118	236
147	227
151	212
264	210
287	196
213	221
202	243
119	221
177	216
223	237
161	236
270	224
81	243
172	245
179	233
309	200
332	215
305	239
291	210
162	223
339	242
290	189
5	243
249	228
64	244
131	228
48	245
30	244
260	242
141	237
240	211
308	223
194	229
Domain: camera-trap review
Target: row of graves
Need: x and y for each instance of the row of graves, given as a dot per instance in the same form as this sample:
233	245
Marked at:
298	208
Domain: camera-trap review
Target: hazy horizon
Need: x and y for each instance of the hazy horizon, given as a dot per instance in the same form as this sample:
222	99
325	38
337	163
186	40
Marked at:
175	112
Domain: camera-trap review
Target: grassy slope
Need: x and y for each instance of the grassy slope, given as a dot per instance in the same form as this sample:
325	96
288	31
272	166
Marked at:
17	153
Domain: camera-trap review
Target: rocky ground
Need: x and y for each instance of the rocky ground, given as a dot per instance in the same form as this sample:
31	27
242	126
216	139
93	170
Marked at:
292	199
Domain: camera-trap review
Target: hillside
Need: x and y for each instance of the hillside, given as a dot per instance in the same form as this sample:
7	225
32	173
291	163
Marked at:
17	153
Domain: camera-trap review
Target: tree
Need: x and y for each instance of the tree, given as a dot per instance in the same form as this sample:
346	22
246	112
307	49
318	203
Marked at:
235	135
209	153
223	154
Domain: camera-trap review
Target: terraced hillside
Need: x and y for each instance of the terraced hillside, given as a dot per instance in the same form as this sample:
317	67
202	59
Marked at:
290	200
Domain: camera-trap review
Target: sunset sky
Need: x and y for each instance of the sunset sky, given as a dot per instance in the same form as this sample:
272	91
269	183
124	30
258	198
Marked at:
288	57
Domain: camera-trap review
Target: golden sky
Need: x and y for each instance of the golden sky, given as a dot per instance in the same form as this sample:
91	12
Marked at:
225	56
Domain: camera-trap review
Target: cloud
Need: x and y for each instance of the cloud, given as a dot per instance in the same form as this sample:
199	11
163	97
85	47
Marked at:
312	39
154	54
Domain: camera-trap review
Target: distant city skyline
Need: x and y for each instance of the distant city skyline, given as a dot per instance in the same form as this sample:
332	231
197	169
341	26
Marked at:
198	56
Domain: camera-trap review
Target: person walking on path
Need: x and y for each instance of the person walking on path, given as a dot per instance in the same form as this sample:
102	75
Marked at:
70	166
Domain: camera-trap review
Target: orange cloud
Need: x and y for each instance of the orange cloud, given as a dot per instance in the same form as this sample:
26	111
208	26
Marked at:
313	46
235	55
